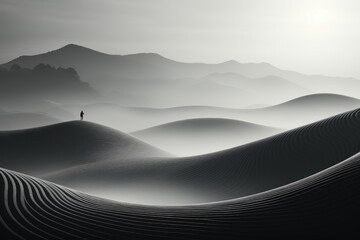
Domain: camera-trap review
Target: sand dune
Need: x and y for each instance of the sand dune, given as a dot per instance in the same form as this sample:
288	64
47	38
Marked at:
322	205
233	173
303	110
203	135
63	145
315	102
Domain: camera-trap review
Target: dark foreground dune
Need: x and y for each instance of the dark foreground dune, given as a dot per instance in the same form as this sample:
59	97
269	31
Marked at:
237	172
323	205
51	148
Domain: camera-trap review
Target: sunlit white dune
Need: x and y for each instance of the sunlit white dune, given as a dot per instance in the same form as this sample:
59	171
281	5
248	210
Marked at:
203	135
304	110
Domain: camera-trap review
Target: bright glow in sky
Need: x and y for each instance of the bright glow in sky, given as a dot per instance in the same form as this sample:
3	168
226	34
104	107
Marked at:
310	36
319	17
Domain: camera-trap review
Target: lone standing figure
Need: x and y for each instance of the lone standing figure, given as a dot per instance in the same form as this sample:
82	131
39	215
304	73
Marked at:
81	115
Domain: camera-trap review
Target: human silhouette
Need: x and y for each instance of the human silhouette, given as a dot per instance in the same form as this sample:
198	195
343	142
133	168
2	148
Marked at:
82	114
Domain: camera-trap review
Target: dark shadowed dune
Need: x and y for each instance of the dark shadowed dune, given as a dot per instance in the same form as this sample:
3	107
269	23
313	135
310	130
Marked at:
203	135
324	205
63	145
233	173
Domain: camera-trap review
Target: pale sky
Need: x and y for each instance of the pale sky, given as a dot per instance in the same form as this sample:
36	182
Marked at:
309	36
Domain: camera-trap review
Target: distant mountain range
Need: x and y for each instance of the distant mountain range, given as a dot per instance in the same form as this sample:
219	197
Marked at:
142	65
148	79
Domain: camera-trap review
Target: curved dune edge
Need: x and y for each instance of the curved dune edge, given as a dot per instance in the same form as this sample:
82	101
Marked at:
320	205
318	98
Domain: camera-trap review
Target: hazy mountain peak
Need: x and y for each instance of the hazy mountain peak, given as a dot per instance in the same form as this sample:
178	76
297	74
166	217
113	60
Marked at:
235	64
265	64
149	56
76	49
72	45
230	62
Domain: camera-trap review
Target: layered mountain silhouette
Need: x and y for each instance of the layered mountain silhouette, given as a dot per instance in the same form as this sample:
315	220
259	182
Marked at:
41	150
238	172
137	79
142	65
